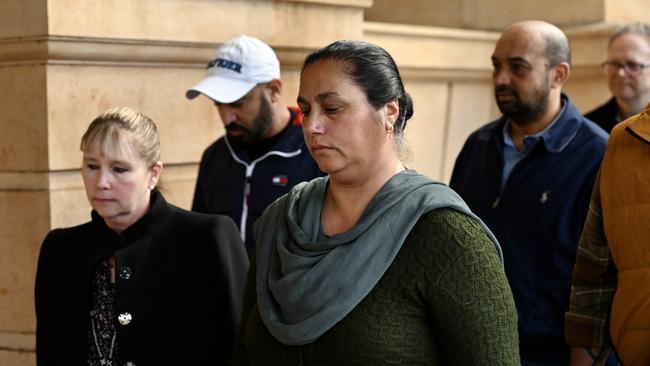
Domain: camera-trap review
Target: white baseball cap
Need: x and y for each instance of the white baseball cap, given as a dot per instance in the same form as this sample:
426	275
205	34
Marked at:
238	66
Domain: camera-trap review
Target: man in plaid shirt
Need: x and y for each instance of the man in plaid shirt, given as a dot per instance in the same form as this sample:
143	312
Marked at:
610	295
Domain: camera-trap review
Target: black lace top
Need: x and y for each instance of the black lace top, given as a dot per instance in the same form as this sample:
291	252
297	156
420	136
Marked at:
102	332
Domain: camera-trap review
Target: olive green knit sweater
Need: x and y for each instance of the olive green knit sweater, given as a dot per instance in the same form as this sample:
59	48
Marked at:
444	300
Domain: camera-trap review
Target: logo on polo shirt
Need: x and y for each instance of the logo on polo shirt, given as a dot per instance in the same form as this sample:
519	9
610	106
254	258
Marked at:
225	64
544	197
280	180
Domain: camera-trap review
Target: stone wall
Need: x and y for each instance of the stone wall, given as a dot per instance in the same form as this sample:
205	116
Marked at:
497	14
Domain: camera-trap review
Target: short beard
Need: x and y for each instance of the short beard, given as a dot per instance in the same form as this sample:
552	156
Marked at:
260	126
522	112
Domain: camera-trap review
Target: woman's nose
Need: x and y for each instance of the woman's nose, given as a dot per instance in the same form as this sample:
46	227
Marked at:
314	124
103	180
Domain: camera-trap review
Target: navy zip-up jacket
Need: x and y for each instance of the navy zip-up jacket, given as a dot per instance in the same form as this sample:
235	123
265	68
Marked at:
537	217
231	183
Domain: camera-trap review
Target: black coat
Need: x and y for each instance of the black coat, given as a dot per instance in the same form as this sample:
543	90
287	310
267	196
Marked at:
606	115
186	274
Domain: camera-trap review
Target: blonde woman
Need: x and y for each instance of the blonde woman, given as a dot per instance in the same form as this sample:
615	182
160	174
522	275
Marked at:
144	282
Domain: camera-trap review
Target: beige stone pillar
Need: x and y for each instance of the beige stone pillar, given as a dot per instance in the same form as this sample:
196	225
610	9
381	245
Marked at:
24	203
497	14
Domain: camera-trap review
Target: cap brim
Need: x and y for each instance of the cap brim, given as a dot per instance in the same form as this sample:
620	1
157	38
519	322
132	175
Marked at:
223	90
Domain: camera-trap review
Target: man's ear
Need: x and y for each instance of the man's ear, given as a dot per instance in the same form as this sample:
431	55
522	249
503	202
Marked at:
560	75
275	87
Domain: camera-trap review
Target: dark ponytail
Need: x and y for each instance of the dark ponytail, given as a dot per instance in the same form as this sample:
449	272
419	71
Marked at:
373	70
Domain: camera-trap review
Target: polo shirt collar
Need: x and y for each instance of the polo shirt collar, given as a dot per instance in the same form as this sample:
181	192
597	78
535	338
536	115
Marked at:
559	133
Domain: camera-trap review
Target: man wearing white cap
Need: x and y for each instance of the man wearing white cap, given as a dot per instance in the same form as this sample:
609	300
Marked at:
263	153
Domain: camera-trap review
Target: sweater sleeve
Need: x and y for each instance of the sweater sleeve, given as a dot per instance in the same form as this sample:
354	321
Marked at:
471	302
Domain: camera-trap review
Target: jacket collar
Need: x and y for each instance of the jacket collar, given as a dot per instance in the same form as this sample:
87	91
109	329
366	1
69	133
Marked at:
152	221
289	141
640	127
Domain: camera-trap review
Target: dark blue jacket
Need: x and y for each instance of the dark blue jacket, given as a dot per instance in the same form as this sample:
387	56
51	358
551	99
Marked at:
537	218
227	172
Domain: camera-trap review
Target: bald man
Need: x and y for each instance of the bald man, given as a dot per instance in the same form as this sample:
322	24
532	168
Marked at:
529	176
628	76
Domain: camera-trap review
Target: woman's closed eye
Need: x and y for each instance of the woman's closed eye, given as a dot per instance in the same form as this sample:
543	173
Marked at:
332	110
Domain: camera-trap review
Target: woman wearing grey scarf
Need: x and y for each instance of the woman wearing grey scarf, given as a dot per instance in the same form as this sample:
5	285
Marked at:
373	264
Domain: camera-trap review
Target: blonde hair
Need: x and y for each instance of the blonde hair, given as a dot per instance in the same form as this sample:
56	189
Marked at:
123	130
